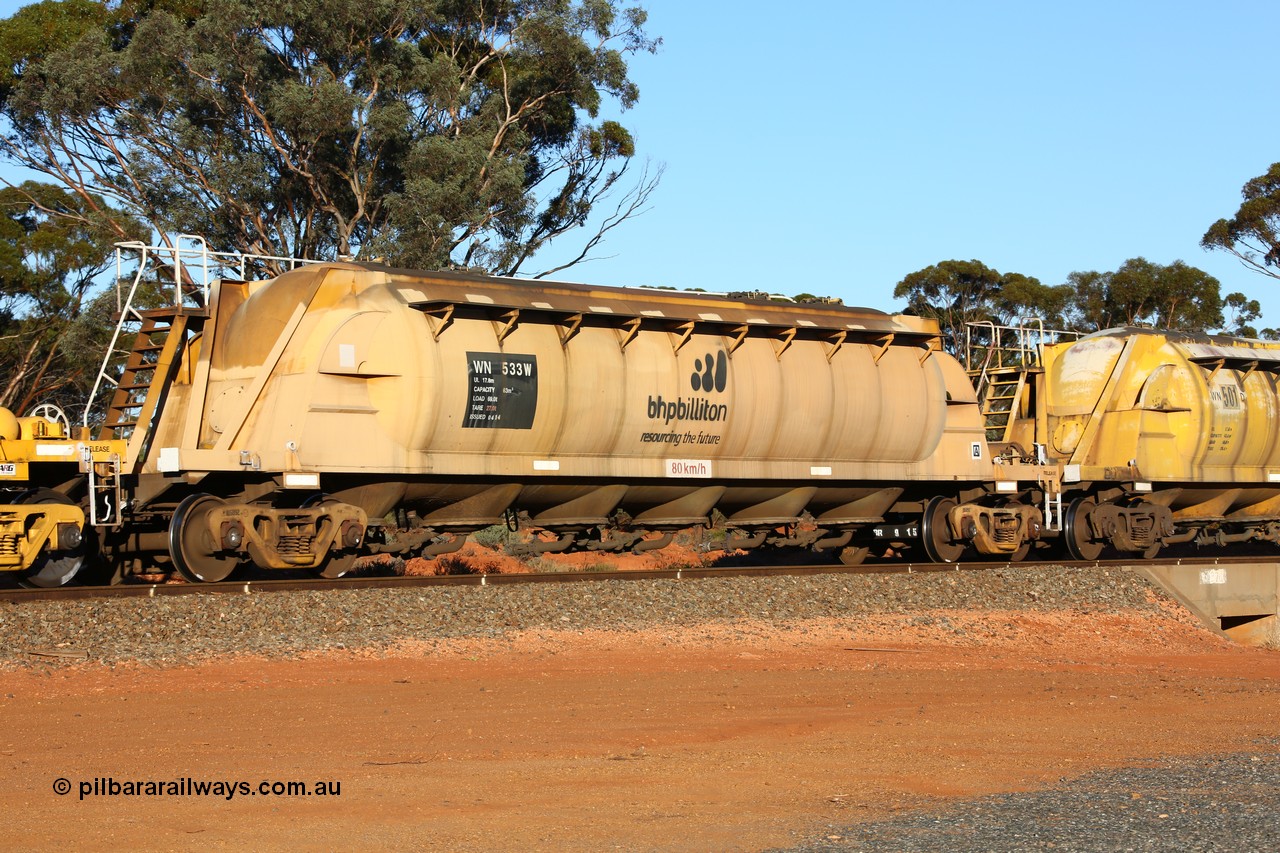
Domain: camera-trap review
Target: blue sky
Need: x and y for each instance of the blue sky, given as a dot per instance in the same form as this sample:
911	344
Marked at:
834	147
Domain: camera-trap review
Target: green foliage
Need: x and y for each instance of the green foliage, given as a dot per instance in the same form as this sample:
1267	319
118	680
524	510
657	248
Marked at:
452	133
1243	311
1253	234
958	292
1176	296
54	317
35	31
1022	298
494	536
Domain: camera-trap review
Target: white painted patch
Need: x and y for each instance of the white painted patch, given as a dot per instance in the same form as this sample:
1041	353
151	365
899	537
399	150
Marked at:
346	355
715	317
1213	577
820	471
601	309
170	460
1142	487
1070	473
546	465
1006	486
55	450
301	480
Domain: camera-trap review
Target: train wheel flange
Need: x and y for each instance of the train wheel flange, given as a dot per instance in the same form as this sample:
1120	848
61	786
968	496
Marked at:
195	555
49	571
1075	531
334	565
935	532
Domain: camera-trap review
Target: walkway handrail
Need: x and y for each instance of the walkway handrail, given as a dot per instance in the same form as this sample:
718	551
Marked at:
195	257
1023	342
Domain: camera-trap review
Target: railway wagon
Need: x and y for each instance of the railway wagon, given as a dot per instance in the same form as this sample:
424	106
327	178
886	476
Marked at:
1163	438
48	478
344	409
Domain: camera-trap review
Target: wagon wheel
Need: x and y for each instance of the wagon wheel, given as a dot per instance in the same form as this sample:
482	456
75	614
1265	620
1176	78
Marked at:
334	565
53	415
1021	553
1149	553
935	533
1075	531
196	556
47	570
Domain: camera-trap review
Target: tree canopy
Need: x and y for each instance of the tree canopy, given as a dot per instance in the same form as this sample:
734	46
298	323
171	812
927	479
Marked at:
1253	234
958	292
1139	293
431	133
1142	293
53	318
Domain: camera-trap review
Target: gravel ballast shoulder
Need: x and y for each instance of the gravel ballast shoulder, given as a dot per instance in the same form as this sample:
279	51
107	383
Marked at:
1225	803
193	627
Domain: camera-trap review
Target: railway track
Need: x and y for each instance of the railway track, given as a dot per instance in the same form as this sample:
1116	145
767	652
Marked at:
268	584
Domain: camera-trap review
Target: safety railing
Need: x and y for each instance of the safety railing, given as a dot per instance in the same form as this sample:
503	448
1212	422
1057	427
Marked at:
990	346
193	267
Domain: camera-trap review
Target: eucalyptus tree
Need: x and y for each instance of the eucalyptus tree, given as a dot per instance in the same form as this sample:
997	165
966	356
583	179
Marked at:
956	293
430	133
55	310
1253	234
1241	313
1165	296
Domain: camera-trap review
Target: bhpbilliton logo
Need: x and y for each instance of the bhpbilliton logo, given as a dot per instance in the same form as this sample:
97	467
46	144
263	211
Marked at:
710	375
714	376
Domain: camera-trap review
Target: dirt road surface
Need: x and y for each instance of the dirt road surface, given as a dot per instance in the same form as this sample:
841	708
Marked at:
729	737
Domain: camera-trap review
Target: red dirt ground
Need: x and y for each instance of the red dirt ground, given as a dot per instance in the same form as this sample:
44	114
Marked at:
478	559
727	737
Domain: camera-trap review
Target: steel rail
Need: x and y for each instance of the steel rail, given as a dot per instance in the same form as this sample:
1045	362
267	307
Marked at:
265	585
